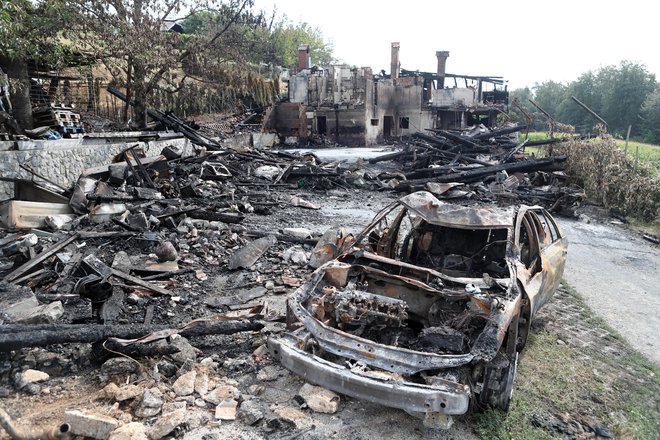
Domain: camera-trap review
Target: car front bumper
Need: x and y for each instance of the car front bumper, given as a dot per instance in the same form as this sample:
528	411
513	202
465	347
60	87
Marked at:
449	398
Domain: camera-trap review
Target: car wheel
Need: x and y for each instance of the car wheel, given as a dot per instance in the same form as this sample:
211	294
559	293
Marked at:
498	384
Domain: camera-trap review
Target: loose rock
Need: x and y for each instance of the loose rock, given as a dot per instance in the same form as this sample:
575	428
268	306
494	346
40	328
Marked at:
167	422
222	392
251	411
30	376
43	314
166	252
90	425
151	404
268	374
185	385
119	365
290	414
186	351
202	383
296	255
129	431
127	392
109	391
226	410
320	399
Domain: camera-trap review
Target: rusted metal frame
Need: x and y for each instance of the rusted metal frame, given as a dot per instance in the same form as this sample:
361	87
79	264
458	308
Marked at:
444	397
402	360
386	357
412	281
490	339
382	214
435	212
478	282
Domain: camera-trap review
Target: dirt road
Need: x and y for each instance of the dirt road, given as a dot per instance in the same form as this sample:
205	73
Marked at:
618	274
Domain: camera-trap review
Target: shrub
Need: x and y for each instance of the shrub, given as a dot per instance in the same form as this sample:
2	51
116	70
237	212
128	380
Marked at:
611	178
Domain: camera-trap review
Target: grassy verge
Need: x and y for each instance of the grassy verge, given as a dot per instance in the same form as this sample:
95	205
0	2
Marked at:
605	383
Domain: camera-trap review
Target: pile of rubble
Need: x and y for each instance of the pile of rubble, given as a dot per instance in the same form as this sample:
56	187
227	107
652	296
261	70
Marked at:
118	271
483	164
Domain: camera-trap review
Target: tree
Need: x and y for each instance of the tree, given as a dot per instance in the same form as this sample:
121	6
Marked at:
549	95
650	117
270	40
624	89
129	37
616	93
28	33
285	39
586	90
521	98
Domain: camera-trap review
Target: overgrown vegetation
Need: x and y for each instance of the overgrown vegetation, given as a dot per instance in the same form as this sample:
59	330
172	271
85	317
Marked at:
561	380
649	153
611	178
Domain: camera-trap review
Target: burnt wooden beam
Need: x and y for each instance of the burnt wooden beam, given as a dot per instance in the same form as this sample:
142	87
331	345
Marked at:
462	140
172	122
225	217
443	144
390	156
27	266
15	337
591	112
499	132
544	164
100	268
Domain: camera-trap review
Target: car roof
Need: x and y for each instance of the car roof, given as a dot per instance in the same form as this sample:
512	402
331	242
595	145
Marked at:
428	207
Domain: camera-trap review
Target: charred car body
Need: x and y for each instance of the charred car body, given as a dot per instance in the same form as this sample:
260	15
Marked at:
426	309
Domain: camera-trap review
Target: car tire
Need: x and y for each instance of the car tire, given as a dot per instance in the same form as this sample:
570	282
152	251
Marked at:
498	384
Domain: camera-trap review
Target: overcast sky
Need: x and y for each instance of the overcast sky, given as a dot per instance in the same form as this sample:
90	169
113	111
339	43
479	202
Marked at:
524	41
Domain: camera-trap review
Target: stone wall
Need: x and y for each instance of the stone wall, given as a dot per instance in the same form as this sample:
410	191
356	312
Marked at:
63	160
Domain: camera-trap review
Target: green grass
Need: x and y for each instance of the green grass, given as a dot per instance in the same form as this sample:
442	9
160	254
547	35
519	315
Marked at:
647	152
586	384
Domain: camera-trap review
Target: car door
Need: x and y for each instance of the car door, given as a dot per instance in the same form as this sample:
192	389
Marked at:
529	264
553	254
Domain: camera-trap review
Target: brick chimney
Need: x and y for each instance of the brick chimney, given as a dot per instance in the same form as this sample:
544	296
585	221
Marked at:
394	67
303	57
442	65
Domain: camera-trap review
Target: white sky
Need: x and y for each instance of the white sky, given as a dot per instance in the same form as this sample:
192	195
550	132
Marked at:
524	41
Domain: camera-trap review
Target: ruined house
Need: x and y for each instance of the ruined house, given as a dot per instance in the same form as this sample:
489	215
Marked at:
353	106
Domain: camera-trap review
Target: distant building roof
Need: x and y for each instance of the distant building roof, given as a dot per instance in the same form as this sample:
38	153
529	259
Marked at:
171	26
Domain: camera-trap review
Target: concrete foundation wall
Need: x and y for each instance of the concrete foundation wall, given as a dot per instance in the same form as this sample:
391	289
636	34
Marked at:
62	161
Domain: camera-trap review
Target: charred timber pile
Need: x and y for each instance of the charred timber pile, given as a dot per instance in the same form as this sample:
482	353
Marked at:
64	249
483	164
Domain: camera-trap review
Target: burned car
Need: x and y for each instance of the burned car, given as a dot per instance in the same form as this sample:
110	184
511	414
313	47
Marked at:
427	308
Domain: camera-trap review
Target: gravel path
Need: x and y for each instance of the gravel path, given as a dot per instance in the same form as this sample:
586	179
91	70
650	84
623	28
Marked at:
618	274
